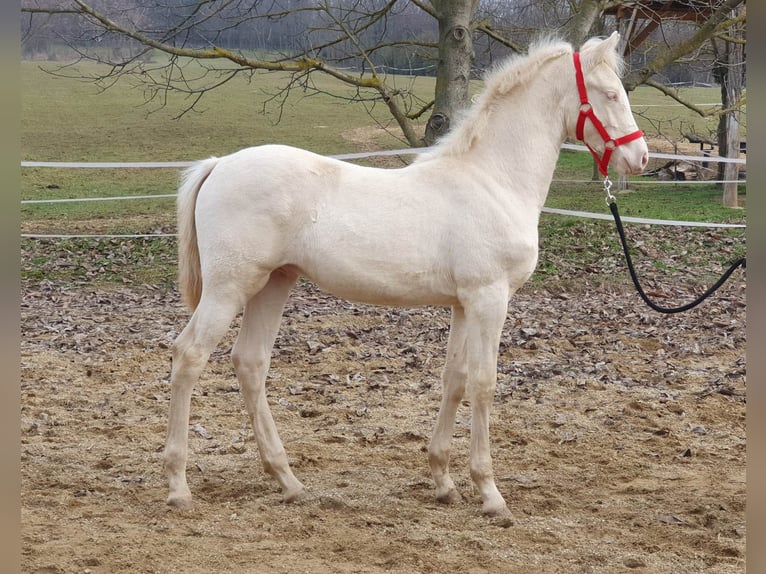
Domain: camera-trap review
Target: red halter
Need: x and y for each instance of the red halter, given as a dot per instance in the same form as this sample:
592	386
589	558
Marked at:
586	112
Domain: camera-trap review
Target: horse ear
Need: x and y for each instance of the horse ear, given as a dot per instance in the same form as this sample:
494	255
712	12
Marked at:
598	50
613	40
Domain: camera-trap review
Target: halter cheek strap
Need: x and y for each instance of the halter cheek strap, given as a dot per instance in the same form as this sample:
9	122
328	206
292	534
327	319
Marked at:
586	112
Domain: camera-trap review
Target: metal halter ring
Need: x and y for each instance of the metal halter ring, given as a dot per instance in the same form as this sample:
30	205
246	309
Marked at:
608	189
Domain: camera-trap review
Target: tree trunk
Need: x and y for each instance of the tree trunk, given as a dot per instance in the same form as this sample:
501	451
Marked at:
732	77
453	71
731	170
584	23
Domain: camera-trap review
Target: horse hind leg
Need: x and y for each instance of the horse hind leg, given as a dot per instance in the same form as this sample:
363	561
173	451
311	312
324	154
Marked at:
251	356
453	388
191	351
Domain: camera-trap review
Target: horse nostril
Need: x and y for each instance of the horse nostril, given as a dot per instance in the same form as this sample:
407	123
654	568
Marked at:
644	160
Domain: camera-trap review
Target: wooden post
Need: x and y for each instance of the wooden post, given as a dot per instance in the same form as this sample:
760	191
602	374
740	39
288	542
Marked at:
732	92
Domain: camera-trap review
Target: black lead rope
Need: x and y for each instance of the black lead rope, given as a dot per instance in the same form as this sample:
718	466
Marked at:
652	304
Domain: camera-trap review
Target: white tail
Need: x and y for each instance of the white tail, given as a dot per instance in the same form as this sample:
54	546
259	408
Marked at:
189	276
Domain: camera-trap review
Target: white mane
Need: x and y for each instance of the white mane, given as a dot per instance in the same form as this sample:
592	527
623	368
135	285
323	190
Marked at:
507	76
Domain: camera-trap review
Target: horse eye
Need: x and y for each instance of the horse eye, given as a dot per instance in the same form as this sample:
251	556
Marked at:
612	96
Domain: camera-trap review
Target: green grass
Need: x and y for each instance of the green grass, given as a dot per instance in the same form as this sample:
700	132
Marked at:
112	216
70	120
100	261
660	115
645	198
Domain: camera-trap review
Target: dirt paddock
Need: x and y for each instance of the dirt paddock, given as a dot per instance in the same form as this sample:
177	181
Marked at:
618	439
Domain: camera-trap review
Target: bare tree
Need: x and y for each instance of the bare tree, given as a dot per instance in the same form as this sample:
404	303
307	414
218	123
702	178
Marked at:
717	24
349	40
340	40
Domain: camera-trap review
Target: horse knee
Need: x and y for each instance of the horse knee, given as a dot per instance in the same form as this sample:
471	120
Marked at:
455	378
482	391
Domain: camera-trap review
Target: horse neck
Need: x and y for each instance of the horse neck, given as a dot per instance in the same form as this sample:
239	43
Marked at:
524	133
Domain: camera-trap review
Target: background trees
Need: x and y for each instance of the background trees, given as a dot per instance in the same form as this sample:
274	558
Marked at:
360	43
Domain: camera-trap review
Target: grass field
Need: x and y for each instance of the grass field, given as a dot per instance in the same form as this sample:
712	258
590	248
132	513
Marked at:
66	119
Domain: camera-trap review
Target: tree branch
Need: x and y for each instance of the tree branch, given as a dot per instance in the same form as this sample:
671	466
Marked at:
673	93
486	29
718	22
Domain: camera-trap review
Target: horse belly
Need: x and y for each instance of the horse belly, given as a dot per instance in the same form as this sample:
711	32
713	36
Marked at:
380	283
373	265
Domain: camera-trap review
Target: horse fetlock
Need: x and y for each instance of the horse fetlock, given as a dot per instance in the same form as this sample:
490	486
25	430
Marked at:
482	475
175	470
438	459
181	502
277	467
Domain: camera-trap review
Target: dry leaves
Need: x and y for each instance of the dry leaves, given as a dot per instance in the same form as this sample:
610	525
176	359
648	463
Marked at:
609	420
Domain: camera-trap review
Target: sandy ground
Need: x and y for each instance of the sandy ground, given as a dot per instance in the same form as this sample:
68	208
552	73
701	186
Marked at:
618	439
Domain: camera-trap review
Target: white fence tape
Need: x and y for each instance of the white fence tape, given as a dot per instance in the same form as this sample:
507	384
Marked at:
552	210
170	195
343	156
113	198
96	236
659	155
107	164
346	156
627	219
182	164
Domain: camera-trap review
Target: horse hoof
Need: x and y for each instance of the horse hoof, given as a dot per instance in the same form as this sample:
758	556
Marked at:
452	497
181	502
500	516
502	521
296	496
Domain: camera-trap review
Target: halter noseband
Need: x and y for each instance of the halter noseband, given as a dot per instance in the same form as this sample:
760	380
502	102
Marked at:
586	112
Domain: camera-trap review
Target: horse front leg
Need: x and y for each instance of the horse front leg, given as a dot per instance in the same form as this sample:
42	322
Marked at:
485	315
453	389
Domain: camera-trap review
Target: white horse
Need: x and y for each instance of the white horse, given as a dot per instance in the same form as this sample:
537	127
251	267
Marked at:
457	227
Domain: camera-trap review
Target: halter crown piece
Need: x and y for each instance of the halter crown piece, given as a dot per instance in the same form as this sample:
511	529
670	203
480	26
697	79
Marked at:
586	112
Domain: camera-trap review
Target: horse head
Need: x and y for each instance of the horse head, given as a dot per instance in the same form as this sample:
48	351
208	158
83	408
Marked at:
604	121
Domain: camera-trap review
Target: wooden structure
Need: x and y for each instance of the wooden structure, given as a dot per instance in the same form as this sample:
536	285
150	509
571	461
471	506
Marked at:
636	20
